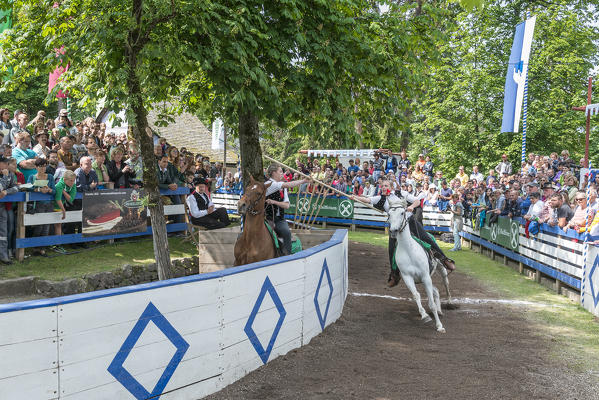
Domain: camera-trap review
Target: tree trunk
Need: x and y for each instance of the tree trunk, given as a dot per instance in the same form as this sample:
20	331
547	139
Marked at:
143	136
358	126
249	145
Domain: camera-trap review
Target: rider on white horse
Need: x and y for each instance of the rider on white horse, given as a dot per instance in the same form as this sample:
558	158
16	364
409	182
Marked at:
416	229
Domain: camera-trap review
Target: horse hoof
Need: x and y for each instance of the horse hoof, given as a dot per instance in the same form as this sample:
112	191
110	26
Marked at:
441	330
427	319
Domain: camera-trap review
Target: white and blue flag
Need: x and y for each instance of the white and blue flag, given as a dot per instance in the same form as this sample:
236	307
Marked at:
516	75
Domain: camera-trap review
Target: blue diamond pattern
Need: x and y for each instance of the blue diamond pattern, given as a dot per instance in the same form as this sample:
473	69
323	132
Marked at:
264	354
593	269
323	318
123	376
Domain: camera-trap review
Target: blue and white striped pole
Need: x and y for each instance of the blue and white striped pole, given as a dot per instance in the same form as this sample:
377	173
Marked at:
525	113
586	236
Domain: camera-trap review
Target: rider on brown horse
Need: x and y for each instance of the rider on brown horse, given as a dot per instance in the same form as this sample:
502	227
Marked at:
277	202
255	242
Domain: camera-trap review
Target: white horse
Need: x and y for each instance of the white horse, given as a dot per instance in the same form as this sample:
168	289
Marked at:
413	264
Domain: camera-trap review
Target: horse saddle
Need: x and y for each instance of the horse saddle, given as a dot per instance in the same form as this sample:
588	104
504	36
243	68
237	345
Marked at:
296	244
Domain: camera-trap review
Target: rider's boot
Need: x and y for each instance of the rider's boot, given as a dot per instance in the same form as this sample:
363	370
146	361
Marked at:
449	264
394	279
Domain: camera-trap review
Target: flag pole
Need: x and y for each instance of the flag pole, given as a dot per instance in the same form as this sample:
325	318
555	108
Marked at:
524	118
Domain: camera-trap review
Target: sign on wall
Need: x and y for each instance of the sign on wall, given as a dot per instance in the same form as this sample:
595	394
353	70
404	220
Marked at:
504	232
335	207
109	212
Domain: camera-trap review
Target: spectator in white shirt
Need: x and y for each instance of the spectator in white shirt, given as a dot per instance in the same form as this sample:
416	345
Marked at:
536	207
475	175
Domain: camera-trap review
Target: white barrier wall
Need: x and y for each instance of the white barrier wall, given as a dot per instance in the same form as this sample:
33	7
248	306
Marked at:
179	339
590	283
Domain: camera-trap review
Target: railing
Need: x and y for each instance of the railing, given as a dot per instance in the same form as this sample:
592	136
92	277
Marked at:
552	252
433	219
23	220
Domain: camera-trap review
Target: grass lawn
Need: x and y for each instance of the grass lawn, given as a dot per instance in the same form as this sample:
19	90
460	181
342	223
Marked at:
572	331
104	257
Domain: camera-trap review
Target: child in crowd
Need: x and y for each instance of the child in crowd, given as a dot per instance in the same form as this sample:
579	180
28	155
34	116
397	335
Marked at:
66	190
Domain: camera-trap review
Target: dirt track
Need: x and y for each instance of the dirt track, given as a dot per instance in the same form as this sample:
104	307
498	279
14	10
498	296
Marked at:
379	349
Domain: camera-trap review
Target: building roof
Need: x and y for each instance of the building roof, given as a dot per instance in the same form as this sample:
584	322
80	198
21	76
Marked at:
187	131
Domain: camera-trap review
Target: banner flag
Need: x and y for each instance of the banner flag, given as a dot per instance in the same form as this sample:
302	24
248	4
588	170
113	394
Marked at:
516	75
218	135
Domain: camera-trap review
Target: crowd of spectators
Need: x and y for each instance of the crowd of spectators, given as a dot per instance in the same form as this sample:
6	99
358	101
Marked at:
545	189
61	157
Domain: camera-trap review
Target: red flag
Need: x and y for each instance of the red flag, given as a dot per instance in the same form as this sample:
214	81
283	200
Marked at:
54	76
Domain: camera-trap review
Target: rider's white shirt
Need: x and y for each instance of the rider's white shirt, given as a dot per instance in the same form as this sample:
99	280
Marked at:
406	195
275	187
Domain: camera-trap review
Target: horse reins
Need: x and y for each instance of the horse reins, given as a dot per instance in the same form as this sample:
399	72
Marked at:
404	222
252	207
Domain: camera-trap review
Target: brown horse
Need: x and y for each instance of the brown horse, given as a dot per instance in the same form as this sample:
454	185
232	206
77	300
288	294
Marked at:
255	242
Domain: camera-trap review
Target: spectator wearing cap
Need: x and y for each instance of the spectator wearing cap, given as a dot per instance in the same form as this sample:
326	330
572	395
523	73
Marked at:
504	167
64	123
432	196
41	148
201	209
391	163
24	156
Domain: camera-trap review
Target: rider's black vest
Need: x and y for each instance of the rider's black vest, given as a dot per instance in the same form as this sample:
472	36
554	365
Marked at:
202	205
381	204
273	212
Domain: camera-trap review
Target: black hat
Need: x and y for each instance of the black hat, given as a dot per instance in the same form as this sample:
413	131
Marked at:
198	180
548	185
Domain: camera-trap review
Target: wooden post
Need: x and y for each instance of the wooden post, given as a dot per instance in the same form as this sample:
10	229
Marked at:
504	260
558	286
520	267
324	224
353	227
20	229
538	276
386	230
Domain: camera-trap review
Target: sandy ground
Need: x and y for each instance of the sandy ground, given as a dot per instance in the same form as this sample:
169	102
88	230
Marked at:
379	349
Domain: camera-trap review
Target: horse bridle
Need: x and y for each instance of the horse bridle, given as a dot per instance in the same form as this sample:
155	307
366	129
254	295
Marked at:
252	207
405	219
